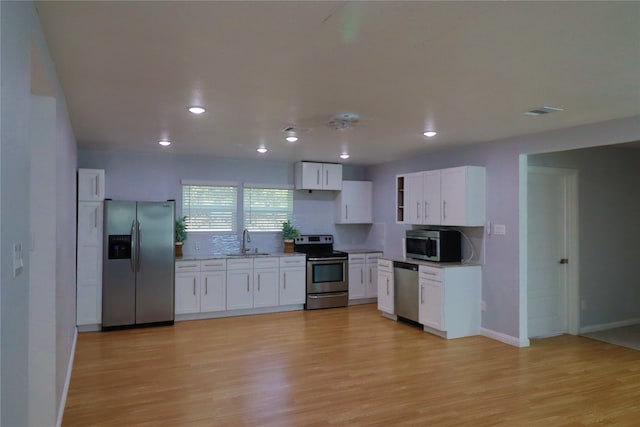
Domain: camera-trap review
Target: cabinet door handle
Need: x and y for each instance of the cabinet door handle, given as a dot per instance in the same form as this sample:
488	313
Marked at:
387	286
418	210
188	266
194	286
258	283
206	285
95	217
444	209
346	211
97	185
426	209
370	274
361	275
318	177
247	283
285	280
421	294
327	177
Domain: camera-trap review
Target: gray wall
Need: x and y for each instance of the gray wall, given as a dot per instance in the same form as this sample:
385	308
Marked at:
501	288
20	28
609	229
157	176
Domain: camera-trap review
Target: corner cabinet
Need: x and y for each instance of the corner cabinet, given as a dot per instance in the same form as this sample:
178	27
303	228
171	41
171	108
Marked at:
318	176
89	248
386	294
454	196
449	300
354	204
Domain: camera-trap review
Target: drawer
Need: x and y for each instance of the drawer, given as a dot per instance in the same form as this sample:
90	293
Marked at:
356	258
293	261
431	273
213	265
239	263
385	265
268	262
372	257
184	266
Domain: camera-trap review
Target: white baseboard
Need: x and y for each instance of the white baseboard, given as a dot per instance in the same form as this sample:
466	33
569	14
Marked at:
67	381
507	339
603	326
243	312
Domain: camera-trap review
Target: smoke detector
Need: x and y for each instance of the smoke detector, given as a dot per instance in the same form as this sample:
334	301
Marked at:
343	121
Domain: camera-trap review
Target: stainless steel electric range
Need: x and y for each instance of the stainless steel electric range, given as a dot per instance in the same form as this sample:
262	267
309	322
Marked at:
327	272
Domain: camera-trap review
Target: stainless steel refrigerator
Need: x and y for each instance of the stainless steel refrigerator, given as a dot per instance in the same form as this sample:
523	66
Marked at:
138	263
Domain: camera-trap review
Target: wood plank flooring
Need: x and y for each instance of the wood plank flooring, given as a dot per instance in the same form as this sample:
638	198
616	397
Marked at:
344	367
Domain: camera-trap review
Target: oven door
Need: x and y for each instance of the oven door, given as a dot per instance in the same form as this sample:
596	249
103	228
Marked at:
327	275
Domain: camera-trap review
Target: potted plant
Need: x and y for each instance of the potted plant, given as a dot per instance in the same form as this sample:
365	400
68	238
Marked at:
181	234
289	232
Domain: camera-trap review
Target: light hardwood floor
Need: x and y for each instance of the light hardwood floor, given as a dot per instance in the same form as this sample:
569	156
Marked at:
347	367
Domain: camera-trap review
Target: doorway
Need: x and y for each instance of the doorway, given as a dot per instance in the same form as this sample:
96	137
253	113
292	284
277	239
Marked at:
552	261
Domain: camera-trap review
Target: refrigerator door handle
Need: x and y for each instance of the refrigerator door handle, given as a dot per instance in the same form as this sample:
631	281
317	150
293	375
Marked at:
133	246
139	250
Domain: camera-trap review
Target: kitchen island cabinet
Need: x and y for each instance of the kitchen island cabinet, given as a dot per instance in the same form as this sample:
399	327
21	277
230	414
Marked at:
449	300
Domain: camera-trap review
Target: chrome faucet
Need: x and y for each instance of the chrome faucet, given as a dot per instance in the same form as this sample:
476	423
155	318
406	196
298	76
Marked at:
246	238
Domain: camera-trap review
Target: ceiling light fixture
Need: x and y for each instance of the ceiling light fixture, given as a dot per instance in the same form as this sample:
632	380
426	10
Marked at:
196	110
262	150
542	110
429	133
292	138
344	156
164	143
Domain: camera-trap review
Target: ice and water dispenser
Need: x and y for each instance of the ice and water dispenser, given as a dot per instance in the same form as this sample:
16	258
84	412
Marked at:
120	246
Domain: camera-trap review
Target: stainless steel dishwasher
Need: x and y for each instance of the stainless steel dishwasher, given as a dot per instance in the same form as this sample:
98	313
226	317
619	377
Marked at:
406	290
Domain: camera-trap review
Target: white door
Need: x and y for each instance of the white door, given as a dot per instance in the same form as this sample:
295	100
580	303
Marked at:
292	286
413	198
453	188
213	291
547	249
265	287
432	196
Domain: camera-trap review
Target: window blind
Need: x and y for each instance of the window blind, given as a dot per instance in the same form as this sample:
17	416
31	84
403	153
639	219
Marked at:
265	209
210	207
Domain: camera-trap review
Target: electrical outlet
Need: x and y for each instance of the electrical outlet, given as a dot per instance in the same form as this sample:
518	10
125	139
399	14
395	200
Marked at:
197	245
499	229
483	305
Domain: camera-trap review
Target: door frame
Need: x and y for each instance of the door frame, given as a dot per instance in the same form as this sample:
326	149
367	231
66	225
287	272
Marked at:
572	289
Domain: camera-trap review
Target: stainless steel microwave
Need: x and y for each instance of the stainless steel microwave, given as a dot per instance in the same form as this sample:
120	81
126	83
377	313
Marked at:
434	245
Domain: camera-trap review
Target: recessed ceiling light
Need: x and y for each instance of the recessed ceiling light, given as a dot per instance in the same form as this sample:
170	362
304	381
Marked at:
196	110
292	138
542	110
344	156
429	133
262	150
164	143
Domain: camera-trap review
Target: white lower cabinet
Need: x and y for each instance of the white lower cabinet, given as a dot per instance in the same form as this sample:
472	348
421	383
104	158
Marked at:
386	292
213	285
356	276
266	278
293	276
187	287
363	275
89	265
449	300
219	285
239	283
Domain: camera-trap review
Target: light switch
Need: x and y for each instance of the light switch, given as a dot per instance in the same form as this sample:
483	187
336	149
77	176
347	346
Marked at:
18	264
499	229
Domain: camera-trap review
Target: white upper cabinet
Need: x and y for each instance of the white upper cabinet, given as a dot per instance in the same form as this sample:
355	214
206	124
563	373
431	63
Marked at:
354	203
318	176
90	185
454	196
463	196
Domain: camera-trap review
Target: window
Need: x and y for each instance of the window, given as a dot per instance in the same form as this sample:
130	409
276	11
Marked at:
265	209
210	207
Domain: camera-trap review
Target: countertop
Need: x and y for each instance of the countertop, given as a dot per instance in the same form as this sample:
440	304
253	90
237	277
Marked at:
433	264
202	257
359	251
